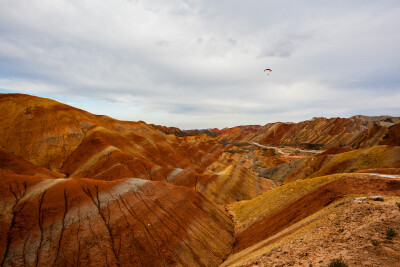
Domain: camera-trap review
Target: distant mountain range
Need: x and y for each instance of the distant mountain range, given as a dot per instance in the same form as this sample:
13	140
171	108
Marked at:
357	132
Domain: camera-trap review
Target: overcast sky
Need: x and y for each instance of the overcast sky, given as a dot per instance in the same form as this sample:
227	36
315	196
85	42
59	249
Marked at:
199	64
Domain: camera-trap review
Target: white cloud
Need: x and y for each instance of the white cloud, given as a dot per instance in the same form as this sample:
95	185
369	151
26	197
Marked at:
30	87
181	59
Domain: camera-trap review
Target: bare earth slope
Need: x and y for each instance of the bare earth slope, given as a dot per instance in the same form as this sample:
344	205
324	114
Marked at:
14	164
352	229
293	208
68	222
65	139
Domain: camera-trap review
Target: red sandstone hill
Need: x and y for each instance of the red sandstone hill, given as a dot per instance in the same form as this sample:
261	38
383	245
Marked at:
170	130
14	164
129	222
178	132
83	189
356	132
51	135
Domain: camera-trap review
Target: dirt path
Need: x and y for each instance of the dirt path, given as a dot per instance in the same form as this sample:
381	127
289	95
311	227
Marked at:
286	150
394	176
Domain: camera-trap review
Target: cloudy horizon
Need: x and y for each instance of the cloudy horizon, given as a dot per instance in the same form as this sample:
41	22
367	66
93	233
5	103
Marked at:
199	64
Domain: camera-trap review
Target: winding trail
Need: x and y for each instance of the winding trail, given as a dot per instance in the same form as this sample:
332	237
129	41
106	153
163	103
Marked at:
286	150
394	176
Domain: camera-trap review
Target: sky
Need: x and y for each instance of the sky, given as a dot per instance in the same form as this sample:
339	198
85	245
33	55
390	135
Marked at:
200	64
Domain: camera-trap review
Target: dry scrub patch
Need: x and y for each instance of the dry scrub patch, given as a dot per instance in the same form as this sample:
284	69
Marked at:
352	230
247	212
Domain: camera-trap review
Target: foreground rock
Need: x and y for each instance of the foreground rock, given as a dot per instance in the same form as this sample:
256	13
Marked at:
71	222
353	229
283	214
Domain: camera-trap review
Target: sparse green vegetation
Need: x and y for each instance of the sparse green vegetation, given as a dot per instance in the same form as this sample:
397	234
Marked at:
268	149
390	233
378	199
312	146
233	151
240	143
375	242
337	263
224	142
398	205
227	142
308	146
242	150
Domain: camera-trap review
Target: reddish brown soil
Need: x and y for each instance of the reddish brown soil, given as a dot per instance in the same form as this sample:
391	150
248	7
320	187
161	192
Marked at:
351	230
170	130
87	222
390	171
46	134
335	150
111	220
14	164
393	136
277	134
311	203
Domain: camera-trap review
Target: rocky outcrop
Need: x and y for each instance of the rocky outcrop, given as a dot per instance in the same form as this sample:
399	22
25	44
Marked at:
129	222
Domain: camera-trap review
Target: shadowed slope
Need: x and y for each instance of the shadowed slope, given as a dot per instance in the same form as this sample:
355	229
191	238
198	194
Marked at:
393	136
96	223
352	228
294	205
13	164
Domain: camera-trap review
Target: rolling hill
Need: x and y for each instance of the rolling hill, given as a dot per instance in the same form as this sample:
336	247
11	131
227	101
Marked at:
84	189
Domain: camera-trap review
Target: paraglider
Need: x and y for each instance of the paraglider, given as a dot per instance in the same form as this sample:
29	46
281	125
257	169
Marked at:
267	70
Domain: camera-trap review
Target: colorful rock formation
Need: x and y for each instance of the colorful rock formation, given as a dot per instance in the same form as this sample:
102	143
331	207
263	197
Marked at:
127	222
355	132
83	189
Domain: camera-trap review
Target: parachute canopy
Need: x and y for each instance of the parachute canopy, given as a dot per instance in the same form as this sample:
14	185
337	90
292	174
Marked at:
268	70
